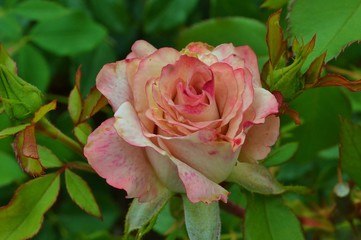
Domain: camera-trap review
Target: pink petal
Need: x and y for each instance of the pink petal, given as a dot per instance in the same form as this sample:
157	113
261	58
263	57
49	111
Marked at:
113	84
149	69
166	170
259	139
123	166
228	90
198	187
251	63
205	153
264	104
142	49
196	48
246	99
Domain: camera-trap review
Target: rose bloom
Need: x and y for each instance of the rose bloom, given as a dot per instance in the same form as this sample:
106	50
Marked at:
182	120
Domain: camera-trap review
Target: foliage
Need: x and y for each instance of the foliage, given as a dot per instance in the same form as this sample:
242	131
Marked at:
308	54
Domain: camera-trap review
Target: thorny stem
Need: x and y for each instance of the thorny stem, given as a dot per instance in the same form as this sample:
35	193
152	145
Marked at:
50	130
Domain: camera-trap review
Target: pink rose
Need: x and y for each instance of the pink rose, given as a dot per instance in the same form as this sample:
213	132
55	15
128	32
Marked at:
182	120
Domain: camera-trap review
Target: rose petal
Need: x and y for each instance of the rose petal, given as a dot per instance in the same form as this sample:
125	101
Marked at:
259	139
196	48
198	187
228	90
142	49
123	166
251	63
225	51
203	152
166	170
113	84
263	105
149	69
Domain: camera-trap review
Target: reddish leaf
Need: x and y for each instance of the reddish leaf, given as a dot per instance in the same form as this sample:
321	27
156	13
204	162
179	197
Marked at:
277	45
27	153
337	80
93	103
314	71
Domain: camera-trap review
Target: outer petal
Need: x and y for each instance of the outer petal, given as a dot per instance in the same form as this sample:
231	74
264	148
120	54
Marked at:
203	152
264	104
142	49
198	187
124	166
250	62
259	139
113	84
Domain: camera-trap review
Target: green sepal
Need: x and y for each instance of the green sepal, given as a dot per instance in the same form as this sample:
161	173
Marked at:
255	178
288	80
202	220
142	216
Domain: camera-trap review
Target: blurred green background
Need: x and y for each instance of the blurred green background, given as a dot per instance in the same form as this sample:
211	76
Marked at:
49	40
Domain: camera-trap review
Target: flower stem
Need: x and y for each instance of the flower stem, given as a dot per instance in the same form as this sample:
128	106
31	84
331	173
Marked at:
50	130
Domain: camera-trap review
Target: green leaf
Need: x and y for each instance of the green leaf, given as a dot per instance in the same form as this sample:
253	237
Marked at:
43	110
81	194
82	132
75	104
268	219
39	9
109	12
9	169
23	216
236	30
163	14
244	8
202	220
140	214
12	130
33	67
47	158
320	119
68	34
274	4
281	154
255	178
350	153
10	28
332	33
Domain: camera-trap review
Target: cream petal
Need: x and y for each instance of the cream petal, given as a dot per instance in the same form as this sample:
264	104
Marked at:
259	139
141	49
251	63
205	153
112	82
